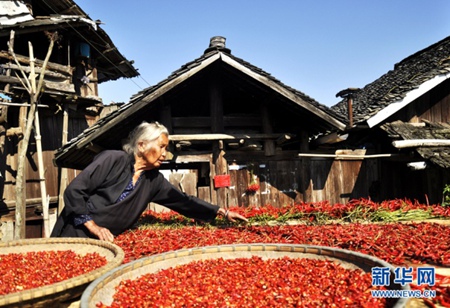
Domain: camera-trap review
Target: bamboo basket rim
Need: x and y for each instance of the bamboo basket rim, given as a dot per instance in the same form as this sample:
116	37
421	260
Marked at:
61	289
338	254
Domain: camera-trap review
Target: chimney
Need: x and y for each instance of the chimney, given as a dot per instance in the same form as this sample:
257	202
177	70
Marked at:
217	43
348	93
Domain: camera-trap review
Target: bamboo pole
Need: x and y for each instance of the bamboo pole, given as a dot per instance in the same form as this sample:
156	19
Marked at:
44	197
64	180
20	226
34	92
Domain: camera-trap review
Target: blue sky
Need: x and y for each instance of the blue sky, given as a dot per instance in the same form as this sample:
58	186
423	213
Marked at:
319	47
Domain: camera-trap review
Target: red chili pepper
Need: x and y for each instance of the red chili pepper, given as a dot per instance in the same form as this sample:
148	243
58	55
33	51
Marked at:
23	271
250	282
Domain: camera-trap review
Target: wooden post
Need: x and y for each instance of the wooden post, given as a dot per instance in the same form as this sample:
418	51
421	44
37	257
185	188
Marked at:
217	126
221	167
269	145
305	187
63	180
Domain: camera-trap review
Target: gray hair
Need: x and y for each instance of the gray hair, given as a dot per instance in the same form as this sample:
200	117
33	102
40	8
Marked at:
143	132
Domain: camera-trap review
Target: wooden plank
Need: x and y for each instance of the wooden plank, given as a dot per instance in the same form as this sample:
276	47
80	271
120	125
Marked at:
221	167
219	136
192	158
185	182
319	175
212	169
233	199
445	114
204	193
26	60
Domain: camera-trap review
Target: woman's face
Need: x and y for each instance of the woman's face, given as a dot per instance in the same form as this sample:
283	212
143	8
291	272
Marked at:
154	154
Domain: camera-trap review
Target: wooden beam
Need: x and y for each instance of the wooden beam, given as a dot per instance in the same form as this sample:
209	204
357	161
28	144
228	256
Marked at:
347	156
38	70
50	65
14	131
331	138
30	202
210	137
59	86
196	122
192	158
414	143
283	138
21	105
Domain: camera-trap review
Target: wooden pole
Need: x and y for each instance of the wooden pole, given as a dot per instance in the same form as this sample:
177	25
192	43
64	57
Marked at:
20	216
44	197
414	143
269	145
34	92
20	227
63	180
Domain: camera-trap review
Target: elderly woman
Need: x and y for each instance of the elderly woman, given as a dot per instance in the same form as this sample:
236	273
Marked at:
110	194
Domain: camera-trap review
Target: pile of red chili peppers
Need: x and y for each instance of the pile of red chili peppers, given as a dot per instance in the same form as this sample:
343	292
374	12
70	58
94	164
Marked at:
397	243
23	271
250	282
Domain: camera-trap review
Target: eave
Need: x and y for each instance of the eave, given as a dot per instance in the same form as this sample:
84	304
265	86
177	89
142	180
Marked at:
411	96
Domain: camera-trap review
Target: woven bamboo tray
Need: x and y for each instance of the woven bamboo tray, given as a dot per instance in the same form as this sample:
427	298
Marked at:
60	294
103	288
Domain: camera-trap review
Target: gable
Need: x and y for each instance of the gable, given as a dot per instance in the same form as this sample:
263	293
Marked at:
242	89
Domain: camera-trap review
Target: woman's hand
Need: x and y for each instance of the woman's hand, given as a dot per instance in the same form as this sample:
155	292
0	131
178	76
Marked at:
231	216
102	233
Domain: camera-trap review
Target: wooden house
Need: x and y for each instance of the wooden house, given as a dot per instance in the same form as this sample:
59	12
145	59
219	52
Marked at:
232	125
402	120
82	57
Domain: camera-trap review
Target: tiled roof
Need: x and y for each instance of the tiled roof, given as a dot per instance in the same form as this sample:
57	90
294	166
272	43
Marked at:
393	86
144	96
188	66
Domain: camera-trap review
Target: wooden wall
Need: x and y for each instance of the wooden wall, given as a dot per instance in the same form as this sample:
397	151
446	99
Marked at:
433	106
283	183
